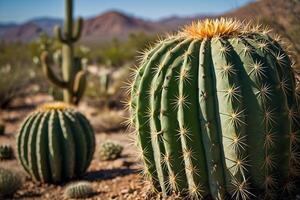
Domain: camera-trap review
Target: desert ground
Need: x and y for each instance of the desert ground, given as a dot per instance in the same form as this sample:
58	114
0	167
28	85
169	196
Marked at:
118	179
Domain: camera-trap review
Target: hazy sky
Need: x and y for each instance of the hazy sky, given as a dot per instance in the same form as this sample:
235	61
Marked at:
22	10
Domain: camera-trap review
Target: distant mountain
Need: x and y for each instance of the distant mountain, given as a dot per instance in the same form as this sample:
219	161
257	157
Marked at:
111	24
29	30
23	33
6	27
47	23
282	15
115	24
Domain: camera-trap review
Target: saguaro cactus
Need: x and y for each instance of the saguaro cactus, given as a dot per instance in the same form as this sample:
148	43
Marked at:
215	113
55	143
73	76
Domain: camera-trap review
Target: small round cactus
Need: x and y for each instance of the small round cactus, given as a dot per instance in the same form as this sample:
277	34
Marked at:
79	190
10	182
110	150
6	152
56	143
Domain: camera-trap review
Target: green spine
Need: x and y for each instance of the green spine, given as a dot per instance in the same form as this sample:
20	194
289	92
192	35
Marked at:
74	76
217	116
55	145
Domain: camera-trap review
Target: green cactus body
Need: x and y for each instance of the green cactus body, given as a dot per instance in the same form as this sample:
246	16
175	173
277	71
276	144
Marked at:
55	143
6	152
79	190
215	113
73	80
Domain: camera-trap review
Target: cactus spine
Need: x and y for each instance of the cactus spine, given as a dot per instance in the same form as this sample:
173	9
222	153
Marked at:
215	113
55	143
74	77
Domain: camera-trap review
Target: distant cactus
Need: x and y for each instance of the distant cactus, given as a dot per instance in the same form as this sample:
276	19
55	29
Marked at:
79	190
110	150
2	128
215	113
10	182
6	152
104	82
55	143
74	77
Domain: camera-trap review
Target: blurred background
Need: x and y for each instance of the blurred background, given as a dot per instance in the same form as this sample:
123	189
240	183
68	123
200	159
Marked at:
113	34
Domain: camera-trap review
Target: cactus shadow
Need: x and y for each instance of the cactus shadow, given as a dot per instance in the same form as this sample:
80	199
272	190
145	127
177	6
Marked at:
107	174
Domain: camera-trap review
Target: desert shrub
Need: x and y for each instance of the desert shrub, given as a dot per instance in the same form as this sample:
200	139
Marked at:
110	150
6	152
12	82
10	182
79	190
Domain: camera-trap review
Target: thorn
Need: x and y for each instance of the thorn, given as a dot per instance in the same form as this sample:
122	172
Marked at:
184	132
181	100
269	140
247	50
269	162
294	137
224	50
188	153
193	170
238	143
233	93
258	69
228	70
184	76
280	58
269	116
263	46
265	92
240	189
173	181
195	191
270	182
240	165
236	117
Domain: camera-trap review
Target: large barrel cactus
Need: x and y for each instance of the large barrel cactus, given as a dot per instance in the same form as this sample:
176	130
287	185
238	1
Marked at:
215	113
55	143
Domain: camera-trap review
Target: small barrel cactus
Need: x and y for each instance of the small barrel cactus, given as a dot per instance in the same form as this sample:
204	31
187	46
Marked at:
10	182
2	128
55	143
110	150
79	190
215	113
6	152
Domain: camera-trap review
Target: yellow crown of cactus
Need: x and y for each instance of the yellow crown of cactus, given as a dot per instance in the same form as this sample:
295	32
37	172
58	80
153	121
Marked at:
57	105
